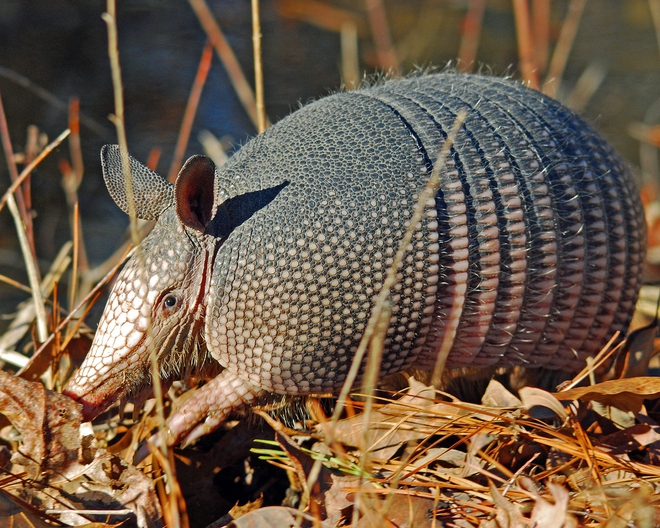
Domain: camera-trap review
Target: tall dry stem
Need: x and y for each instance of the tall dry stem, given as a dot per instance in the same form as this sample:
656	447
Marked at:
525	43
563	48
190	111
467	52
262	123
226	54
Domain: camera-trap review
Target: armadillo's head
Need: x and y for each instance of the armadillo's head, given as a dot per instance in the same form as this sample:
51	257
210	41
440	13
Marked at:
157	303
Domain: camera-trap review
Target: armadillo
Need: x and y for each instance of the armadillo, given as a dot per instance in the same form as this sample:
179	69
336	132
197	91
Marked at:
529	254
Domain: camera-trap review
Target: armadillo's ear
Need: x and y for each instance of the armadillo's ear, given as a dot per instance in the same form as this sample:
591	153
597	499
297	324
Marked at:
193	190
152	193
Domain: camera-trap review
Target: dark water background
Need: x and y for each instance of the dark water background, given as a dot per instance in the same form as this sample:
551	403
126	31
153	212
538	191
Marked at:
61	45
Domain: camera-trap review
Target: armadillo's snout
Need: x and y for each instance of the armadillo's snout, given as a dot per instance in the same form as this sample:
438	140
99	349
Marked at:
103	377
100	380
95	393
113	366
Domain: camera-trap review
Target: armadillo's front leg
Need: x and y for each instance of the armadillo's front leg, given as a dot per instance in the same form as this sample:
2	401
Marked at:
209	407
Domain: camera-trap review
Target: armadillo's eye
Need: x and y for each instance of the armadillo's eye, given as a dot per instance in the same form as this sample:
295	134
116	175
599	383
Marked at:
170	302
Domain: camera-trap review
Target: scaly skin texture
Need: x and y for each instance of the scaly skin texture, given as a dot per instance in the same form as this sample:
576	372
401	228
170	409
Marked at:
530	252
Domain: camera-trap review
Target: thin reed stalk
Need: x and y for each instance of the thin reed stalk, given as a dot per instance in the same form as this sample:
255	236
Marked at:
223	49
350	61
525	43
467	52
110	18
28	170
563	48
23	225
541	32
262	123
191	111
380	32
179	515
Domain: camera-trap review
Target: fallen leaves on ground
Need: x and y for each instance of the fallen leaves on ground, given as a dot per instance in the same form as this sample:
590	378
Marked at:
491	466
593	458
625	394
56	478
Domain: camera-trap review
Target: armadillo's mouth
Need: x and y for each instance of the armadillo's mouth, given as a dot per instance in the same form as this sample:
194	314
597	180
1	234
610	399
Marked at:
97	384
96	401
111	388
98	393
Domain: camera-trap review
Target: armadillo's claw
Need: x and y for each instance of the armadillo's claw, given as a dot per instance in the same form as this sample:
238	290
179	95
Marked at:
208	425
146	447
205	411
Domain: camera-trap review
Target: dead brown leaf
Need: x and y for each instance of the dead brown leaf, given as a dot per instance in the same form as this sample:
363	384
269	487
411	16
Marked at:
275	517
15	514
638	350
631	439
553	515
532	397
403	511
48	423
110	483
637	508
240	510
625	394
497	395
507	515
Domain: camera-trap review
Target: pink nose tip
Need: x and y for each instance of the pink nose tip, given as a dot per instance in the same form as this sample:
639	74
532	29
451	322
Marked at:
89	410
